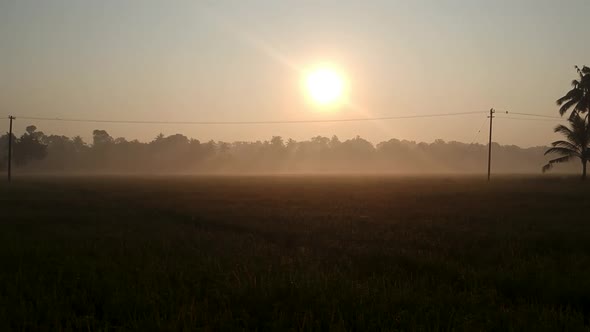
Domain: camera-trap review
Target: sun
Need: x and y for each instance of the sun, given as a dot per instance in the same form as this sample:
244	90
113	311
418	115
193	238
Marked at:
325	86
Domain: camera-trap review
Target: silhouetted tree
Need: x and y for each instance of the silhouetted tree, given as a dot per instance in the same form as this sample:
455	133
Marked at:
100	138
4	150
575	146
29	147
334	142
578	98
291	144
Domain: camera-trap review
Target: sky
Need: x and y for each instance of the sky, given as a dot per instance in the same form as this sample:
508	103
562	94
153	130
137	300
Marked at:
246	60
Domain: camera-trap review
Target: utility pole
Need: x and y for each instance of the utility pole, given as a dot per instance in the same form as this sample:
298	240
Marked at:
492	111
10	149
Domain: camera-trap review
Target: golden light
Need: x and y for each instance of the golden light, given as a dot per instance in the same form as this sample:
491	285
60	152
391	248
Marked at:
325	86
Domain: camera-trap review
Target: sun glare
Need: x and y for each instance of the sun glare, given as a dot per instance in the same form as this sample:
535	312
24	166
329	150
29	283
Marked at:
325	86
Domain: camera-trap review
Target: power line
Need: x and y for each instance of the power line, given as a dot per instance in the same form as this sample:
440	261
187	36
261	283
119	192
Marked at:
246	122
529	119
479	130
535	115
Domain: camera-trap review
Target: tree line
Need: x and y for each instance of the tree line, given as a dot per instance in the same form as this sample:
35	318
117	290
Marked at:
35	151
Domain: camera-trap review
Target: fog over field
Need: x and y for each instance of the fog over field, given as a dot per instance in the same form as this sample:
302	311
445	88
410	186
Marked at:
42	153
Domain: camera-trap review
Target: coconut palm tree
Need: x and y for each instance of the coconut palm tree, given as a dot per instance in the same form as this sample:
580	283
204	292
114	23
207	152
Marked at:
578	98
575	145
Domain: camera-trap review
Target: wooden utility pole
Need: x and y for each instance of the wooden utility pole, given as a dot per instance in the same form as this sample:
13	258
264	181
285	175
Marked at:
492	111
10	149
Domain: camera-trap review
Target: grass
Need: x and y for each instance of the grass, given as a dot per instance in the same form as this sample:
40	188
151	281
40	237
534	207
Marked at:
294	253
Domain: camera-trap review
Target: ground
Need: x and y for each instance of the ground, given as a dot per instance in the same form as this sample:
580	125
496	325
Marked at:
294	253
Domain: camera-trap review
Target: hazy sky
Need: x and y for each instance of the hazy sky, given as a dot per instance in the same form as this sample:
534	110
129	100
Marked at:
243	60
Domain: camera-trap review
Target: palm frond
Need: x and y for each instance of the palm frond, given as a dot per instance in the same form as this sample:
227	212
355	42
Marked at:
573	115
561	129
576	142
555	161
565	145
563	152
572	94
566	104
583	105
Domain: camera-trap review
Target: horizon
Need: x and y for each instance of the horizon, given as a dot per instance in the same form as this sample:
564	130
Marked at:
88	139
38	153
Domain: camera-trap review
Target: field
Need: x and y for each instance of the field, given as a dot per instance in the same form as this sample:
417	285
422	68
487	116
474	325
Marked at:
294	253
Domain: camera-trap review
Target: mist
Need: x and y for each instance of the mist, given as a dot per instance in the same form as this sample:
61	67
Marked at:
36	152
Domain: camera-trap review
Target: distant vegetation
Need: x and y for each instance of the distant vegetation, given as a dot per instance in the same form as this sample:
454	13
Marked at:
36	152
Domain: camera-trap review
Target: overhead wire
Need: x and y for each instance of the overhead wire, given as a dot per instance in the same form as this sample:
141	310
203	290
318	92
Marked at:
534	115
246	122
529	119
479	130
